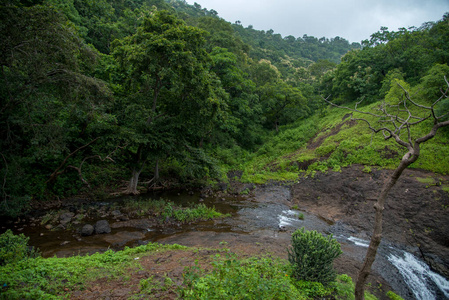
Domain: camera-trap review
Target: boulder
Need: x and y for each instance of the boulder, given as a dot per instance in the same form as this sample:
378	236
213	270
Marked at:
102	226
87	230
66	218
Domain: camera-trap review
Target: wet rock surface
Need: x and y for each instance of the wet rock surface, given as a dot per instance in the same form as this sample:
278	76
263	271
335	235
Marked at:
102	226
87	230
416	214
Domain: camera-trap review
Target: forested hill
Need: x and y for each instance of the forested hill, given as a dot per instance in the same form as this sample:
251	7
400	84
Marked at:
100	23
98	93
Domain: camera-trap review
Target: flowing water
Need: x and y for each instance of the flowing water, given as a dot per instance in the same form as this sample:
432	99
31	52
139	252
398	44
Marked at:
264	222
424	283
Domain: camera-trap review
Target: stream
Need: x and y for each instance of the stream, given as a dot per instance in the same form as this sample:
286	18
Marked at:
258	224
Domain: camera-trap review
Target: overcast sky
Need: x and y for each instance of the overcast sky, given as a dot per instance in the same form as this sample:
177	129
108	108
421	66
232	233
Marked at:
354	20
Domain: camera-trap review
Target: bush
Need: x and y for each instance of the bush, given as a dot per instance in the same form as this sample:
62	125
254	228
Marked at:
13	248
232	278
312	256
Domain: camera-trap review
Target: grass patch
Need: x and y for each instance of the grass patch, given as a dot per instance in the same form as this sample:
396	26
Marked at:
190	214
167	209
51	278
445	188
426	180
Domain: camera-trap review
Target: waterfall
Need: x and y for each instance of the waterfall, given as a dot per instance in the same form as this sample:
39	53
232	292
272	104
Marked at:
419	277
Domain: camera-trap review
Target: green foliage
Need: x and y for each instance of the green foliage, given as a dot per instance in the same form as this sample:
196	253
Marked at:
344	289
166	209
391	295
14	248
408	54
312	256
312	289
149	287
198	212
366	169
426	180
50	278
231	278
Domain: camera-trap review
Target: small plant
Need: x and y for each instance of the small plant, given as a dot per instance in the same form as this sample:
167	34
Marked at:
312	256
394	296
295	207
367	169
49	217
301	216
245	192
149	284
14	248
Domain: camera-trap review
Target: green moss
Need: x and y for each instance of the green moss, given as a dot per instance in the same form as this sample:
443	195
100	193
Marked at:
445	188
426	180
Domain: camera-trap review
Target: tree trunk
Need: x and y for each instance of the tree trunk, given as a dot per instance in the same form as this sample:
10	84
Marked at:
156	172
132	185
377	232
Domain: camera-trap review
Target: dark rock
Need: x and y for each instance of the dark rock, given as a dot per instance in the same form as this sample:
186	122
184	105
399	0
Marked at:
123	218
87	230
222	186
116	213
142	243
59	227
66	218
102	226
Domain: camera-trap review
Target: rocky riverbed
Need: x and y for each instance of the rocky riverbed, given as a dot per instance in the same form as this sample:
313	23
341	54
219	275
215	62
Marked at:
263	218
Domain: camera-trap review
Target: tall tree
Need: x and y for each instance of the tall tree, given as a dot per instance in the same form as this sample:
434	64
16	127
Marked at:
49	108
171	96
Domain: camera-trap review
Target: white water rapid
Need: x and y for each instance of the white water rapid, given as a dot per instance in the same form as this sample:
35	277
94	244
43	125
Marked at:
419	277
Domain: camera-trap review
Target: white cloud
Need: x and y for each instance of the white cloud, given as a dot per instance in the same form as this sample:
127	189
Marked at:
354	20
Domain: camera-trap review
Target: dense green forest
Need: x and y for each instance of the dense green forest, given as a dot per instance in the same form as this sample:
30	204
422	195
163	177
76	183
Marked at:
121	95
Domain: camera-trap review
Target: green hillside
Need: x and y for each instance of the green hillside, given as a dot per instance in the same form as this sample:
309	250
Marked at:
105	96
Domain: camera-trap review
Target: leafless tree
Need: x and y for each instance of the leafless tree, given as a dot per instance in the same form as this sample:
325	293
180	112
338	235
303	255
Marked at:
396	121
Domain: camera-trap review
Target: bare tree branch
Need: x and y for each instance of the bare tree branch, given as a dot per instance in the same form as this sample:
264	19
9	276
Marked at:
57	172
402	119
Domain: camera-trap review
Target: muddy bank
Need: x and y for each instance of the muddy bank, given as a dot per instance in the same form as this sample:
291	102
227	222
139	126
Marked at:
416	214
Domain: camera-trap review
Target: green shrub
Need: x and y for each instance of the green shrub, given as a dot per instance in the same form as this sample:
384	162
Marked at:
313	290
312	256
13	248
232	278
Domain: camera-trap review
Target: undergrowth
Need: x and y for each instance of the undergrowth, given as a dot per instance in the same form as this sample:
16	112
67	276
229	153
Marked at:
168	210
262	277
54	278
228	276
